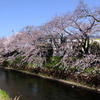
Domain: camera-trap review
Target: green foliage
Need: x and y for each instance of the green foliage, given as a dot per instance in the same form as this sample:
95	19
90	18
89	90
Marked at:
30	64
3	95
80	57
7	63
74	69
62	68
52	61
17	62
18	59
88	70
25	63
70	60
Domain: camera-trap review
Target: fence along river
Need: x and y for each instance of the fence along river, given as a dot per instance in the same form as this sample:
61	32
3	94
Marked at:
35	88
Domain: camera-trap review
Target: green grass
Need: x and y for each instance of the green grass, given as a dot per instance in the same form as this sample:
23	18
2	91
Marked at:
88	70
3	95
52	61
62	68
74	69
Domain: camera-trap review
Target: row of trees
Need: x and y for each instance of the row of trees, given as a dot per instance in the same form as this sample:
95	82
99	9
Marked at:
82	24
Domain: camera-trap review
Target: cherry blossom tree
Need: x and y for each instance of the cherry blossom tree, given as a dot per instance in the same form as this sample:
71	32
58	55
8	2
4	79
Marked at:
78	24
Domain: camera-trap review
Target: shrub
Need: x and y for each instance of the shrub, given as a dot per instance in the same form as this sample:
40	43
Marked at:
3	95
7	63
52	61
89	70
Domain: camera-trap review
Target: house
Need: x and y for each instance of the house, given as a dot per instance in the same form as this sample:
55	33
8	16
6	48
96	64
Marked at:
95	40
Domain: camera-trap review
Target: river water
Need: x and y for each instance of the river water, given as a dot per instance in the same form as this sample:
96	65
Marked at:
35	88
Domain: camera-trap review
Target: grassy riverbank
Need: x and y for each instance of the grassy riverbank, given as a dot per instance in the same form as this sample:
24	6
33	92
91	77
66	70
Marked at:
86	71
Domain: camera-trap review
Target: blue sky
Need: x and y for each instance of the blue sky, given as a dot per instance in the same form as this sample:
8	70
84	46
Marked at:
16	14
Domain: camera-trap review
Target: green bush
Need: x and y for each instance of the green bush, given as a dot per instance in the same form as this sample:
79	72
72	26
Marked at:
18	59
88	70
30	64
52	61
62	68
74	69
3	95
7	63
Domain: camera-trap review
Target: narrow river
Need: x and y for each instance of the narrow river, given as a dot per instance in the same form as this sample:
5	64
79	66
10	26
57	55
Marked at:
35	88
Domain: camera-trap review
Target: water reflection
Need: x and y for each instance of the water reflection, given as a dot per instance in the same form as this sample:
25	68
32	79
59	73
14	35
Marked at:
34	88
